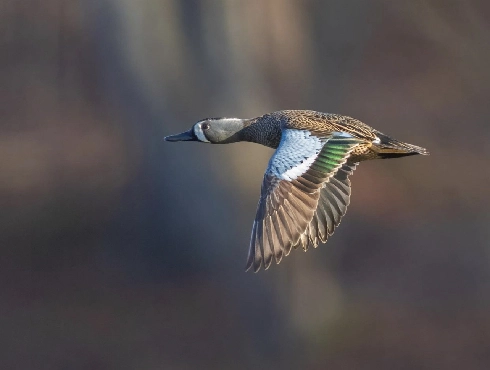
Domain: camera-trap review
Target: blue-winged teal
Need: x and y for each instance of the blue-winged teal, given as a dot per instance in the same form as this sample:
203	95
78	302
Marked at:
306	187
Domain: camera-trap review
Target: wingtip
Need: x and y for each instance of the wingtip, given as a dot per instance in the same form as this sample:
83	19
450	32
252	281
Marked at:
256	268
278	257
268	262
248	266
266	267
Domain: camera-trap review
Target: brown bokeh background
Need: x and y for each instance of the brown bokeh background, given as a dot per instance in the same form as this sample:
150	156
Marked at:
121	251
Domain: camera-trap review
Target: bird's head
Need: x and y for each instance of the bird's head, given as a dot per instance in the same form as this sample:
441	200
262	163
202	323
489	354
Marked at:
212	130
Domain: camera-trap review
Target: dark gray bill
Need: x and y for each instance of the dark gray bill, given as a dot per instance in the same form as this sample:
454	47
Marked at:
185	136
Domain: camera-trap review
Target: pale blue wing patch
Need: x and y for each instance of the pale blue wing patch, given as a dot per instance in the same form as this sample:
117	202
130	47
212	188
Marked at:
297	151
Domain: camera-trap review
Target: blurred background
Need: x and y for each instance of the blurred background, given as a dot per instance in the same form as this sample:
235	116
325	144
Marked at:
121	251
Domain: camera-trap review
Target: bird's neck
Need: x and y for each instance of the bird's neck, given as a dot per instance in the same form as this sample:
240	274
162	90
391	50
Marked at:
264	130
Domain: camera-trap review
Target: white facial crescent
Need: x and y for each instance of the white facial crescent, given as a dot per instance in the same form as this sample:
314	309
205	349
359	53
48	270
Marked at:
199	133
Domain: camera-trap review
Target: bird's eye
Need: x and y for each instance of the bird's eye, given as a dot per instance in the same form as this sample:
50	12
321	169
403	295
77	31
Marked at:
205	126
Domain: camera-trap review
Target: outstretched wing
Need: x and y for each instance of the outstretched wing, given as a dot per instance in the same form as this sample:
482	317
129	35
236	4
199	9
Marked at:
291	189
332	206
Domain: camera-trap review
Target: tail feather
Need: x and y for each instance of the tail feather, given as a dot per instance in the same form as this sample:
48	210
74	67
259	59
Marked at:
392	148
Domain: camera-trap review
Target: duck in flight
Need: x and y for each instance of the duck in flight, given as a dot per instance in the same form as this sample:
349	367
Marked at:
306	187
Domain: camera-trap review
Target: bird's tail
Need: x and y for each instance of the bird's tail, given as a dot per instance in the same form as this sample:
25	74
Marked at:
392	148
